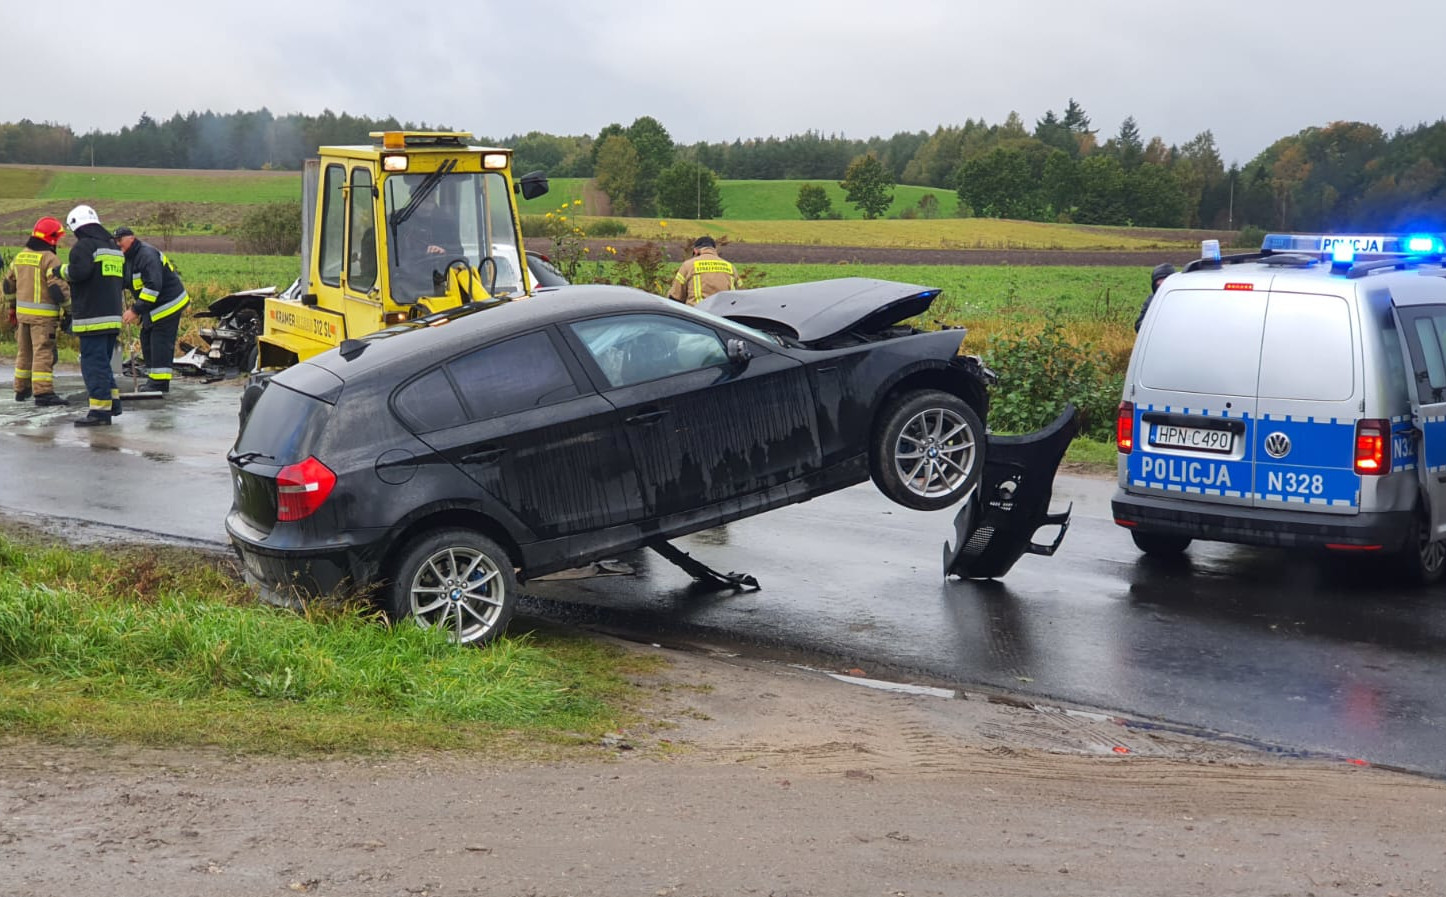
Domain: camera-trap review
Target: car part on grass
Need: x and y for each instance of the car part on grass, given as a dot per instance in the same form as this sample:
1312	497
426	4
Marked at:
231	342
997	524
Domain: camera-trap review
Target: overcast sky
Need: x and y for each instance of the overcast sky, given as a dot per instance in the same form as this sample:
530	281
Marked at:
1251	72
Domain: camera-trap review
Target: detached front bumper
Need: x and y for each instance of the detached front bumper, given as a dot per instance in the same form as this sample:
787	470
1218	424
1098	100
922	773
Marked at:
1388	531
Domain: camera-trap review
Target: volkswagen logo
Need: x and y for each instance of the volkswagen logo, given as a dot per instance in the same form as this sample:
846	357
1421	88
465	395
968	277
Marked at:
1277	445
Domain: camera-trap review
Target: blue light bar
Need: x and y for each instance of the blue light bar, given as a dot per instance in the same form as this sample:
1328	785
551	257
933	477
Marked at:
1343	253
1359	244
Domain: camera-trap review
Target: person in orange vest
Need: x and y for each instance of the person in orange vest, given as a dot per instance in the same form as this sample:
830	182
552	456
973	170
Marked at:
702	275
38	299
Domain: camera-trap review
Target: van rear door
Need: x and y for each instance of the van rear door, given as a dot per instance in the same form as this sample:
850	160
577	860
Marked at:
1194	378
1421	321
1308	403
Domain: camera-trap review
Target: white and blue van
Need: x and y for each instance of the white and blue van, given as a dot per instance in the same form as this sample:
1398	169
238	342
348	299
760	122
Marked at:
1294	396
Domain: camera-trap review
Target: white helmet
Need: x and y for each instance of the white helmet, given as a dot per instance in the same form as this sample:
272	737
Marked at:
80	216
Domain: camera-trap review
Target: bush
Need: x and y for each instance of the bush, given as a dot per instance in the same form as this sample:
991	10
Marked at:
1249	237
607	227
1041	371
534	226
272	229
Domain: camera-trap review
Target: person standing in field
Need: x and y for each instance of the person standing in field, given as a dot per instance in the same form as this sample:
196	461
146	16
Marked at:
159	298
95	271
38	298
702	275
1161	272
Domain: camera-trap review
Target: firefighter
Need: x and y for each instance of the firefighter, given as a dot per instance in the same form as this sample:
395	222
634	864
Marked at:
159	298
96	273
38	300
1161	272
702	275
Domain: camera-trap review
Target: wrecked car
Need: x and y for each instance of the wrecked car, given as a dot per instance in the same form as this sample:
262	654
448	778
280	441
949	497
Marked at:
444	459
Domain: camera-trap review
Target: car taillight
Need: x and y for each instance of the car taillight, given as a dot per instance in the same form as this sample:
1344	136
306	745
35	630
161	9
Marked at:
302	488
1373	447
1125	428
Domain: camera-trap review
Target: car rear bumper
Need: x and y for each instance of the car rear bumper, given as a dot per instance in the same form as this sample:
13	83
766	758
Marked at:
1387	531
288	577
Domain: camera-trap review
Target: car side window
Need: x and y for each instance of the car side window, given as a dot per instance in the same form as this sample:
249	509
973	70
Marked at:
637	348
1426	339
513	375
429	403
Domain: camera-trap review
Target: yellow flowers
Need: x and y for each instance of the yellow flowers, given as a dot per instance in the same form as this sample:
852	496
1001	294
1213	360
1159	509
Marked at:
662	224
611	251
548	215
577	202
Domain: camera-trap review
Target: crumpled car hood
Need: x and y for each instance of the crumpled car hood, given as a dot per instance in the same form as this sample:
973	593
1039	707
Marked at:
810	312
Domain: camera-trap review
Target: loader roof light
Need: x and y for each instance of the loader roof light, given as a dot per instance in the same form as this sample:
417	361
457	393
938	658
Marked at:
1210	250
494	160
394	140
394	162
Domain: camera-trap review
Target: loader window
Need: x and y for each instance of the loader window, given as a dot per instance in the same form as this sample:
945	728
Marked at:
455	217
333	222
361	269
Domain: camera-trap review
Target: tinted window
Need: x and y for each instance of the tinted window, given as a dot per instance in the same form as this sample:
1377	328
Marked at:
333	221
514	375
1205	341
637	348
1307	351
284	424
1426	338
429	403
361	269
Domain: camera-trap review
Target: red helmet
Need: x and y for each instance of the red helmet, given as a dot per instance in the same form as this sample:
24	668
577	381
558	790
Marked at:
49	230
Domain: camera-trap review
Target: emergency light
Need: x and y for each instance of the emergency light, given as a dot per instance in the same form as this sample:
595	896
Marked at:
1342	249
1210	250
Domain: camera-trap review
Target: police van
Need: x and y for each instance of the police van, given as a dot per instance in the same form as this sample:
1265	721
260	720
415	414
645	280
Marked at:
1293	397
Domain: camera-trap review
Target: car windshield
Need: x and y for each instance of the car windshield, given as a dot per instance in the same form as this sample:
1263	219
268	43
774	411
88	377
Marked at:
457	216
715	320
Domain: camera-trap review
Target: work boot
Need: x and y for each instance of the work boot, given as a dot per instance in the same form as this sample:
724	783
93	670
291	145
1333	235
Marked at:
94	419
48	399
162	386
115	408
22	394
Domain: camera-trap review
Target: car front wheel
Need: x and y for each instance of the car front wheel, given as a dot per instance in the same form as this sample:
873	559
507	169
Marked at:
456	580
928	451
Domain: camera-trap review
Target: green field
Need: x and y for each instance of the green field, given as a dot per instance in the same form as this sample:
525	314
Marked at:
232	187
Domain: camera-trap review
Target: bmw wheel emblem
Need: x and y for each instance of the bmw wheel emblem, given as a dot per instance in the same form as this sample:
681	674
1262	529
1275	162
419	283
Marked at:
1277	445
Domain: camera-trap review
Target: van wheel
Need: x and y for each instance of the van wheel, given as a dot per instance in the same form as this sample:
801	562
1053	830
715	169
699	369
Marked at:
456	580
1425	561
928	451
1161	545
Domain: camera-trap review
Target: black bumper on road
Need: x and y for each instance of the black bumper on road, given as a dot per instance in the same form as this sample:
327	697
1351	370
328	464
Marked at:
1388	531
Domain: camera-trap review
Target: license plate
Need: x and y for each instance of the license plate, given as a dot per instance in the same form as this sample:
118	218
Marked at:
1199	439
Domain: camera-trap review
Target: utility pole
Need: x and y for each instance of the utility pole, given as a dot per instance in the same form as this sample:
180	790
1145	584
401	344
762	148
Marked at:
1230	222
700	193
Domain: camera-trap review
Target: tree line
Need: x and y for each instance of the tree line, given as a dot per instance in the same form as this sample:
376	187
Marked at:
1339	176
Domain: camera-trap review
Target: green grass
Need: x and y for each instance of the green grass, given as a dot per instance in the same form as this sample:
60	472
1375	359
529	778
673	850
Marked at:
1090	456
22	183
234	188
777	200
149	648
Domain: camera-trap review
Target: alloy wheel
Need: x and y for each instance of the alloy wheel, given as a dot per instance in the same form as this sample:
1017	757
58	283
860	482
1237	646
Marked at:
460	590
935	453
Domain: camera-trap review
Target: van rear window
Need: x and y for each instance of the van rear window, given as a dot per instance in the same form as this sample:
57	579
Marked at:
1307	352
1205	341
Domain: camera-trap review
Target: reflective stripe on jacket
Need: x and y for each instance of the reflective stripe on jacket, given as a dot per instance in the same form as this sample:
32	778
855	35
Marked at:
37	294
154	281
702	276
95	272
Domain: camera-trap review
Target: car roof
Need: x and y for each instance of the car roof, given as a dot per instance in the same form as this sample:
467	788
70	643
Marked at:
428	340
1283	273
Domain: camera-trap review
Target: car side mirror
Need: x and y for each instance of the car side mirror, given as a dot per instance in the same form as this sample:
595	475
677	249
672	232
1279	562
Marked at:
532	185
738	352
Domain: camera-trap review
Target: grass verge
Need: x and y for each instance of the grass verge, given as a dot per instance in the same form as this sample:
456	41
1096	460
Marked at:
158	648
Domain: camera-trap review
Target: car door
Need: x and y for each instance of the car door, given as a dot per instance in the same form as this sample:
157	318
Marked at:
1421	321
519	417
703	429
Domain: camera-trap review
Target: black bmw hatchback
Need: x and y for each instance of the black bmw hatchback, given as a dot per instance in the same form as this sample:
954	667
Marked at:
437	463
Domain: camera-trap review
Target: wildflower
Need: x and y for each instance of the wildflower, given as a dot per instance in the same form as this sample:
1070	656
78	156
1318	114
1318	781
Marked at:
548	215
577	202
662	224
585	249
561	217
611	251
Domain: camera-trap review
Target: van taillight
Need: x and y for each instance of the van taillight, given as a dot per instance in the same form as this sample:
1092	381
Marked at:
302	488
1125	428
1373	447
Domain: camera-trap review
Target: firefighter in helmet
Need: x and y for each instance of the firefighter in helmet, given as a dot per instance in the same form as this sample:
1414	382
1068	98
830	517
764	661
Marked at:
38	300
95	272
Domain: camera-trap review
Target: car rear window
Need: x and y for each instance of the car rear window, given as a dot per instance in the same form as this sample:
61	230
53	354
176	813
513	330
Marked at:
284	426
1307	351
1205	341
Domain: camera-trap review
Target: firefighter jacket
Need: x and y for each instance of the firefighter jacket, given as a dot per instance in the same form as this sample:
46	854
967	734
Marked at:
701	276
154	281
38	295
95	272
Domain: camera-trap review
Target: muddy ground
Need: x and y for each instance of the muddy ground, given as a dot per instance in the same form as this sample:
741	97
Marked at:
755	779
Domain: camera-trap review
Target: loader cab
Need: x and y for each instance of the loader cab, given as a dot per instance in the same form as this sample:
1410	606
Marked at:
415	223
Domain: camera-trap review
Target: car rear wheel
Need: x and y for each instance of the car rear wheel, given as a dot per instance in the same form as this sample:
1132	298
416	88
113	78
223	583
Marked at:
928	451
456	580
1161	545
1424	560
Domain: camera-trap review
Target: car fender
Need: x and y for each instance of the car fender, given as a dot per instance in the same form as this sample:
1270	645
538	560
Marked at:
487	517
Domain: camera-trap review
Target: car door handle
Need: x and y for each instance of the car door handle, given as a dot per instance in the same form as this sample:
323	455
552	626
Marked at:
485	456
646	417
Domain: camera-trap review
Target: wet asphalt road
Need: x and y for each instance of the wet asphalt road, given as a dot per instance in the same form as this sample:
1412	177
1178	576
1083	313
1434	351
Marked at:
1285	650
